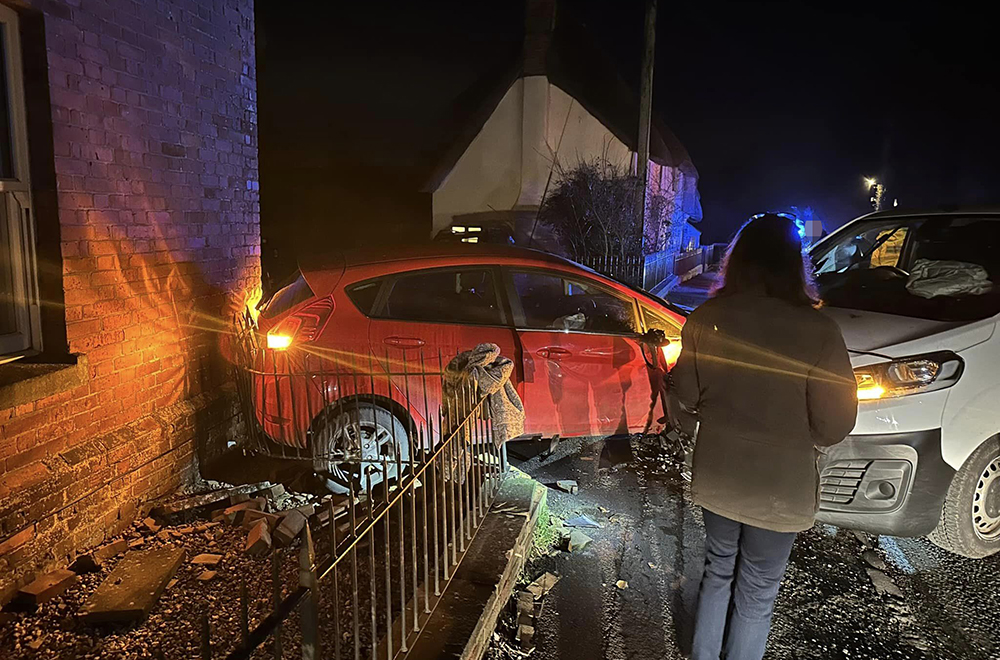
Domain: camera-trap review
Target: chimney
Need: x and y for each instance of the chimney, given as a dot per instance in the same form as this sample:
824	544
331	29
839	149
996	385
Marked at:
536	153
539	21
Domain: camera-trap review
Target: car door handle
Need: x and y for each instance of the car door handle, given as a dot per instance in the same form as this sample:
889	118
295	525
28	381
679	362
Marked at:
404	342
553	353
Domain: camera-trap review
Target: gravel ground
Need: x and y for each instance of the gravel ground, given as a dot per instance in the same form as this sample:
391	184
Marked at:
828	607
174	628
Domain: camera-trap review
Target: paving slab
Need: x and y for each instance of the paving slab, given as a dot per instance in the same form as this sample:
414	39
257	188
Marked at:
133	588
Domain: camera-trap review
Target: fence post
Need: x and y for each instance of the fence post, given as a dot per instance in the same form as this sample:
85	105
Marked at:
276	598
206	641
310	606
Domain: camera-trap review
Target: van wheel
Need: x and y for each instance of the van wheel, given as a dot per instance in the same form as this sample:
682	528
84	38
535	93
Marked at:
352	440
970	517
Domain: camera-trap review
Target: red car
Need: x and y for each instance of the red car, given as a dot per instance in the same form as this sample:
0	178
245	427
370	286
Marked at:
359	335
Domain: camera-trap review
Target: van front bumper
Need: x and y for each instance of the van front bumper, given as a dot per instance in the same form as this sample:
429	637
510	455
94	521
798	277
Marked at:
891	484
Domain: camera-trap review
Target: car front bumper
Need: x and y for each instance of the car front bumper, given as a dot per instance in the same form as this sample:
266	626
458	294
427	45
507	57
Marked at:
885	484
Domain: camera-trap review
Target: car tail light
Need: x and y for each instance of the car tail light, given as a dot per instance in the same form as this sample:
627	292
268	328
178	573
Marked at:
301	327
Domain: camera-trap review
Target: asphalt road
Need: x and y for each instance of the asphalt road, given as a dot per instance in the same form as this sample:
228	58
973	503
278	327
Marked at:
828	607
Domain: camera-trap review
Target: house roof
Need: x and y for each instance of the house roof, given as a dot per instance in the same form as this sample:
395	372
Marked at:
573	62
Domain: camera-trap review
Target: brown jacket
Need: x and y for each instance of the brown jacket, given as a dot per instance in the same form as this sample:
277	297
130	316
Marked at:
771	383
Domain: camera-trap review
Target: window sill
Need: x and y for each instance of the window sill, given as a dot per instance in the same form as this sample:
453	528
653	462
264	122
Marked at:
22	382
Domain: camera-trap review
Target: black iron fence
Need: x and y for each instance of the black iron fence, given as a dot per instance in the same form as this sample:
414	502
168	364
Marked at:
624	268
418	468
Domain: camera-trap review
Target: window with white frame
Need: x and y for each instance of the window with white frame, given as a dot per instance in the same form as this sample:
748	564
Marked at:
19	330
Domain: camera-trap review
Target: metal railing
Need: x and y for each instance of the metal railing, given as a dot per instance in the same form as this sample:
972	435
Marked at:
374	563
624	268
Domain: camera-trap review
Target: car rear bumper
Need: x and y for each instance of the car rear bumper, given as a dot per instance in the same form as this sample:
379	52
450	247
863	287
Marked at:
885	484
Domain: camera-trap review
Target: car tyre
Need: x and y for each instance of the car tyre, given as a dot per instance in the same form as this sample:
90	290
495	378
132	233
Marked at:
970	520
364	430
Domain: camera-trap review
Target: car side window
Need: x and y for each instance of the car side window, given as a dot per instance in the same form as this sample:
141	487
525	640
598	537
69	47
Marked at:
656	321
552	302
445	296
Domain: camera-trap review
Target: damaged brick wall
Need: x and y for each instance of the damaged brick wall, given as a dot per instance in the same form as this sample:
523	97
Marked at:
153	124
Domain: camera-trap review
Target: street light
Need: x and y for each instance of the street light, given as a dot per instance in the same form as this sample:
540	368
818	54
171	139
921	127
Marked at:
877	191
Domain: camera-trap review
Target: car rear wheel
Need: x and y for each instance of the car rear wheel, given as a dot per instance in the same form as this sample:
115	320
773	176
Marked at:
970	517
352	441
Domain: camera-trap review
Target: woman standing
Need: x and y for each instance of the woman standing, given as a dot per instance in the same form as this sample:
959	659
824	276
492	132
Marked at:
770	380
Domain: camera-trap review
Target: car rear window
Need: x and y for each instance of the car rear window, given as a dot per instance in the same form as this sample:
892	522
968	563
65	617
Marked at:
445	296
287	297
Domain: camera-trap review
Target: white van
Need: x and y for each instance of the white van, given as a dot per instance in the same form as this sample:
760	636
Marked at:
917	296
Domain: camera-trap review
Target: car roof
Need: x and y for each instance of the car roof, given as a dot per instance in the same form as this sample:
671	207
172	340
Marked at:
459	252
939	210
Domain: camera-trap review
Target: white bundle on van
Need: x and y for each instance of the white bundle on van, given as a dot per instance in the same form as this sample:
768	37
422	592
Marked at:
930	278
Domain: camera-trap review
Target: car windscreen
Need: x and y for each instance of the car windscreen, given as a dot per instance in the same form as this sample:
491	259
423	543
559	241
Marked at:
943	268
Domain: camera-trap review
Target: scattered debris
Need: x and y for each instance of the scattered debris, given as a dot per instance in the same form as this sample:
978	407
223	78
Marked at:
291	524
152	525
883	583
133	588
272	492
872	559
136	543
543	585
581	521
621	584
202	500
652	565
259	539
36	643
110	550
248	518
229	513
172	583
866	539
164	535
550	449
526	635
205	576
576	540
207	559
568	485
47	586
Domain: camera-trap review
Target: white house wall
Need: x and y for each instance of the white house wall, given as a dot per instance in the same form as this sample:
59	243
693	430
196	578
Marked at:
508	163
488	175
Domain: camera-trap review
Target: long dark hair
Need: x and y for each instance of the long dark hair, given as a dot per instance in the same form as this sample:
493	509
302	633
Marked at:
766	258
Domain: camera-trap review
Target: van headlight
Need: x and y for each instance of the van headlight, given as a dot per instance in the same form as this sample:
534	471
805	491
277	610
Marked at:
909	375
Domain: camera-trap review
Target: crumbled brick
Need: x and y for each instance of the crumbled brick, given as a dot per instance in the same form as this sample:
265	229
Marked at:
258	540
207	559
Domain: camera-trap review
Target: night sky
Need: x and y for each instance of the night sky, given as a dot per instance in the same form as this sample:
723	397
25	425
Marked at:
785	104
779	104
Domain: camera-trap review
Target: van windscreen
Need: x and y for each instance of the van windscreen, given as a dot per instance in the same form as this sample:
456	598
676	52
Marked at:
942	268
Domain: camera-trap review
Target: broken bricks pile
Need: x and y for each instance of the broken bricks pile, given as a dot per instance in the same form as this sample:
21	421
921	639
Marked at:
528	605
144	593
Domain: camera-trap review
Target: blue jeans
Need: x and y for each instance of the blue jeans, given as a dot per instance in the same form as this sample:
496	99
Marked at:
739	614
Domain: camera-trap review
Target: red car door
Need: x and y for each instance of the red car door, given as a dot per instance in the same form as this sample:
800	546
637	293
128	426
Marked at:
583	368
425	317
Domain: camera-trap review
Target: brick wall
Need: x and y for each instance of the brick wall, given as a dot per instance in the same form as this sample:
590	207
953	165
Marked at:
153	124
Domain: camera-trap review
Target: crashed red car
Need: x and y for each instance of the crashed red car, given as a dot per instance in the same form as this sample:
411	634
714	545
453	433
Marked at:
369	332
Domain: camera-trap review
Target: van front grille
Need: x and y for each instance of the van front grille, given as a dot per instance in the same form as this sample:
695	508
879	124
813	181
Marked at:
839	481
